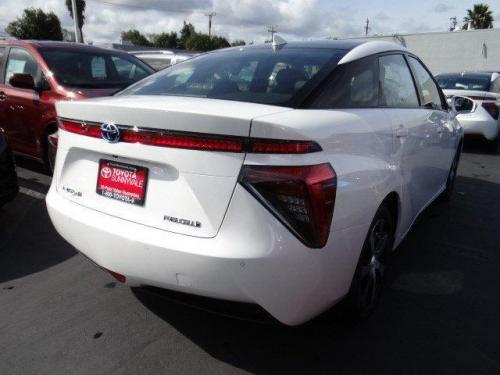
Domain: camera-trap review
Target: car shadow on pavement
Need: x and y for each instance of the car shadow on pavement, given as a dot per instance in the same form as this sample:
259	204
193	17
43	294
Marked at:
28	241
439	313
475	145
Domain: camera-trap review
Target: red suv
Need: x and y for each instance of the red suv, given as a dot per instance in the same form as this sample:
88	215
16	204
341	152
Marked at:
35	74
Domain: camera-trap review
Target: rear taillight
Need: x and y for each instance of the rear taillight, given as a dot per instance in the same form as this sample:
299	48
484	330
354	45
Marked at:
301	197
194	141
81	128
492	109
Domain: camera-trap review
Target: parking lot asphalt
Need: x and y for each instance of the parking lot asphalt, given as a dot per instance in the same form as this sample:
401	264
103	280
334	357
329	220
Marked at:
59	314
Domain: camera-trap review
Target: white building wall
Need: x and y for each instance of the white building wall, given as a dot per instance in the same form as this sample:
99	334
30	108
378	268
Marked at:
446	52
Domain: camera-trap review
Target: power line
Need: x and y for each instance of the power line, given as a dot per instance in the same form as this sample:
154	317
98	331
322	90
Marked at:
273	29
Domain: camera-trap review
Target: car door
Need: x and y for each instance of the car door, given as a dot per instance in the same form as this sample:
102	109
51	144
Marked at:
413	133
443	137
21	113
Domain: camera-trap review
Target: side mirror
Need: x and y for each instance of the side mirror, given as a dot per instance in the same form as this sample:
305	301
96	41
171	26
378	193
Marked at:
461	104
22	81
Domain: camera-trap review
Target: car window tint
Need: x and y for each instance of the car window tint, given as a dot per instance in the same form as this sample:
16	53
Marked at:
127	70
260	75
21	61
353	85
157	63
396	83
428	89
467	81
2	52
94	69
495	86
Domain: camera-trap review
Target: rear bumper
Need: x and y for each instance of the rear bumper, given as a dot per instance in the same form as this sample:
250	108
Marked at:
480	124
252	259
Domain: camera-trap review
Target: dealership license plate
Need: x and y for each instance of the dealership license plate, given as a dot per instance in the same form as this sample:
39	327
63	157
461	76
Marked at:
123	182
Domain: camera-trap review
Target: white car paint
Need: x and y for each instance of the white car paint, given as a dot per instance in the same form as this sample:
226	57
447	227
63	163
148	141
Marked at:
242	252
479	121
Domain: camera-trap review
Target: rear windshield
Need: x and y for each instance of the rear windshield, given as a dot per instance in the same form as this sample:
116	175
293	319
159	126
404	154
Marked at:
248	75
464	82
97	70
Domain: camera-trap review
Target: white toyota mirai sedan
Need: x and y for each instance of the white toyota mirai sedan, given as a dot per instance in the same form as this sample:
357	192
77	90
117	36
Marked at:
280	175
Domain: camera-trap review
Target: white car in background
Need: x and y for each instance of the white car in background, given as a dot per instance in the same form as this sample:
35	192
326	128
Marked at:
211	179
484	89
161	59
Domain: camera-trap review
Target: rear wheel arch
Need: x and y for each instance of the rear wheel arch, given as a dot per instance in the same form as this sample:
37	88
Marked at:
394	204
48	130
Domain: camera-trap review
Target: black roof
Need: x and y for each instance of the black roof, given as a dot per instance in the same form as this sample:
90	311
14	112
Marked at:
326	43
467	74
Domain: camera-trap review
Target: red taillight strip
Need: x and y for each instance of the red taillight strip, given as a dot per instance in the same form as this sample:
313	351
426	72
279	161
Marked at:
195	141
152	138
82	128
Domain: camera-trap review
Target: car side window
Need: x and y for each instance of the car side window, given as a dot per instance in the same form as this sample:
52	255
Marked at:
397	89
128	70
495	86
428	89
21	61
353	85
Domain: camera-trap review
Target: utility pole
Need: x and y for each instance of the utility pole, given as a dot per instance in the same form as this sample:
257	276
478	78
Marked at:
454	23
210	16
273	29
78	37
367	27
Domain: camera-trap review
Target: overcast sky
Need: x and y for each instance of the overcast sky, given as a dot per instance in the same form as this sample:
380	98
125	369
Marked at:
248	19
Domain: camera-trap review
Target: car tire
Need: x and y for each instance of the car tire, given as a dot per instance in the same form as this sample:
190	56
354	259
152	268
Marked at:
368	280
492	146
450	182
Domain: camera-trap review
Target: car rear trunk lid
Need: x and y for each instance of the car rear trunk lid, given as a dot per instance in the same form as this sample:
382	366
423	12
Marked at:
187	191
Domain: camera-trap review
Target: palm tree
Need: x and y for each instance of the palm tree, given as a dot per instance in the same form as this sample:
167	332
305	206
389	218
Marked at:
80	9
480	17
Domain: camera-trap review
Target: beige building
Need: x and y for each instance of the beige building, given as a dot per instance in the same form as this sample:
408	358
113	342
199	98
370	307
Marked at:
453	51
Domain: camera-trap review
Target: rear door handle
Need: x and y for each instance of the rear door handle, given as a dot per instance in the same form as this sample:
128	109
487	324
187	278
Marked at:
3	96
402	132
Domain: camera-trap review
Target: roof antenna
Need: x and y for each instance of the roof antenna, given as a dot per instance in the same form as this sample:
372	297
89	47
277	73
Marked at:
278	42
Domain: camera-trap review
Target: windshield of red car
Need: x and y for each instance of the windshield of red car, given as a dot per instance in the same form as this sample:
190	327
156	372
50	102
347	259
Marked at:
74	68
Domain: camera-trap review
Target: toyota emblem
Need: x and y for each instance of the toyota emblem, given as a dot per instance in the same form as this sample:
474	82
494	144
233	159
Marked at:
110	132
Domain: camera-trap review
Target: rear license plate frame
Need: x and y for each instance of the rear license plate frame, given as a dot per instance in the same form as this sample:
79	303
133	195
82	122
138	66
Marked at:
114	186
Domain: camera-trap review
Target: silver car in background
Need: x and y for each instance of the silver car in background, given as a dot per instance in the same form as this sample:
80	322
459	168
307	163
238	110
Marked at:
161	59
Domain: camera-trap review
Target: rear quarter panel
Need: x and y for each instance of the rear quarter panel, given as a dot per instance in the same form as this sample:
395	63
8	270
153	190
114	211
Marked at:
359	145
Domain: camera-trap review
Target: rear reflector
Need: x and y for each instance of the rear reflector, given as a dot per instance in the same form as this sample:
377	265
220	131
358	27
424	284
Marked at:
195	141
301	197
492	109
